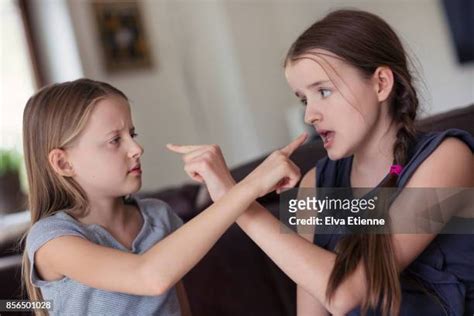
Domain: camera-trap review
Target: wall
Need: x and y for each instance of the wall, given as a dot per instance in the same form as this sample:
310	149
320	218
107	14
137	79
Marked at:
218	75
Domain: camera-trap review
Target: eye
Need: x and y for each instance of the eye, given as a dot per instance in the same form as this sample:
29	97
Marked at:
115	141
304	102
325	93
134	135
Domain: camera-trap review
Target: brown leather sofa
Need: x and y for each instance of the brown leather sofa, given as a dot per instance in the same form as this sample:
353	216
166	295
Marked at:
235	277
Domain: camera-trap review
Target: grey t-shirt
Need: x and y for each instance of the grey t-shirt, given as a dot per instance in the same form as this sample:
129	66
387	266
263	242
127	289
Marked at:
73	298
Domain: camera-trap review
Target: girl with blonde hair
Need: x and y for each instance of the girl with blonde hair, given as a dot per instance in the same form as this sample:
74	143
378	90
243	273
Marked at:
93	251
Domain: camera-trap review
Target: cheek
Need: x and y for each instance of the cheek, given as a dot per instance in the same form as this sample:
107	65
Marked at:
97	164
364	110
352	126
348	117
368	103
357	126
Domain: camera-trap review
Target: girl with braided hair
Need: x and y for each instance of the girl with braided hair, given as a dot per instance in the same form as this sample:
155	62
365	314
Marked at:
351	73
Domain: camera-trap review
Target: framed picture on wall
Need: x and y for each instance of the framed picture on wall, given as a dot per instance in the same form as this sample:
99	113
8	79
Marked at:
122	36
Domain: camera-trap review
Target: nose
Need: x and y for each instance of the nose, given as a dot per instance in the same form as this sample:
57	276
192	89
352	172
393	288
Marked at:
312	115
135	151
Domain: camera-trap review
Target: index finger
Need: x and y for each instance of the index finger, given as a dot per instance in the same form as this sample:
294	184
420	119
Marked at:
291	147
182	149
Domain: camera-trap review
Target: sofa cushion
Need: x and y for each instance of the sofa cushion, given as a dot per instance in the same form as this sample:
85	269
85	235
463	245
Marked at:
462	118
181	199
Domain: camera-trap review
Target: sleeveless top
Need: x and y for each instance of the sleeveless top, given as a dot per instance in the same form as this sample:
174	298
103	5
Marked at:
440	281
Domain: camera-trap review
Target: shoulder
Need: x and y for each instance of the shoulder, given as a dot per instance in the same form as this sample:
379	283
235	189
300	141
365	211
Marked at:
159	213
58	221
50	227
42	232
449	164
436	154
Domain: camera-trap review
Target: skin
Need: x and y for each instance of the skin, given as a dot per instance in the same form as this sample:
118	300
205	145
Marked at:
357	111
355	107
99	161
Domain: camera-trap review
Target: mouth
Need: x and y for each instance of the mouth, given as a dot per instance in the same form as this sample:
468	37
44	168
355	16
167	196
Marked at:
136	169
327	137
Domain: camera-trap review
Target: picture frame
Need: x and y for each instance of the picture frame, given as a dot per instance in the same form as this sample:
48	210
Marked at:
122	36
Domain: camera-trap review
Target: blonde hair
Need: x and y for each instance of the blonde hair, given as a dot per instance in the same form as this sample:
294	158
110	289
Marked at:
53	118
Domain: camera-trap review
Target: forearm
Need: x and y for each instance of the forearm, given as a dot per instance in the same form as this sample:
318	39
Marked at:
170	259
308	265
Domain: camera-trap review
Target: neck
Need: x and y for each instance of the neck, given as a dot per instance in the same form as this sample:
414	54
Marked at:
106	211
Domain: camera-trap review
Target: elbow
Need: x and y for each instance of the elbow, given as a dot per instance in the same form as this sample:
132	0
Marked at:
349	294
159	288
154	282
343	302
338	308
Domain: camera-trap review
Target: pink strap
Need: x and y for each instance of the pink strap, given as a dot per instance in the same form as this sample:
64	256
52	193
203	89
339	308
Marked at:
396	169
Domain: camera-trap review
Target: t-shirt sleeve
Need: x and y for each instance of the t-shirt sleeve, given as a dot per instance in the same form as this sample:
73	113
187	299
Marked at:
175	221
43	231
162	212
171	218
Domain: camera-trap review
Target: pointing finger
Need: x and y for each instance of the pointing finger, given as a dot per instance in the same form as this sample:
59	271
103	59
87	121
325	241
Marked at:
291	147
182	149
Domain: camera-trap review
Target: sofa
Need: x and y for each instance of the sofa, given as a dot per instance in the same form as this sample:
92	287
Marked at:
235	277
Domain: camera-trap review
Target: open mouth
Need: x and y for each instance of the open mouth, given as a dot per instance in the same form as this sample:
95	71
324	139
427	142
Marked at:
327	137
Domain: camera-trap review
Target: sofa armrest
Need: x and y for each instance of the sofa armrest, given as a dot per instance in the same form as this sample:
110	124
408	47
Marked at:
10	277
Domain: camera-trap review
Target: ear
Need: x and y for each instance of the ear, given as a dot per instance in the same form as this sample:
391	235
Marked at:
59	162
383	82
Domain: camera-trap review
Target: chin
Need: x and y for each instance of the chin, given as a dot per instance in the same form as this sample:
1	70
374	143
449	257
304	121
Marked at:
135	188
341	151
334	154
338	154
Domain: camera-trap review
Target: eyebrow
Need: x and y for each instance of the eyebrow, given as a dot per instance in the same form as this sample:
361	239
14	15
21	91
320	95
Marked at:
119	130
313	85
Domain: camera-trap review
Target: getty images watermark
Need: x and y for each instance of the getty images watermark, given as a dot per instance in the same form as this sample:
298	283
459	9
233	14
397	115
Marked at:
380	210
327	204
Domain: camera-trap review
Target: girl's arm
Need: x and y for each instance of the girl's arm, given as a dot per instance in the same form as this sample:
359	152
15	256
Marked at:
150	273
310	266
306	304
163	265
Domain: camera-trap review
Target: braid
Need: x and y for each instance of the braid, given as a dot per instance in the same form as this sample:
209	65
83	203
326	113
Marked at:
384	280
404	110
366	42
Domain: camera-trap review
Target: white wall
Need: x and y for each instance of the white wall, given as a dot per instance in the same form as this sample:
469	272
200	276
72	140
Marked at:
55	32
264	30
218	75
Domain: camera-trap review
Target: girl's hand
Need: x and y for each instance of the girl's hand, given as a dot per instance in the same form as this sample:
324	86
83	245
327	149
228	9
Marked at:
206	164
277	172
